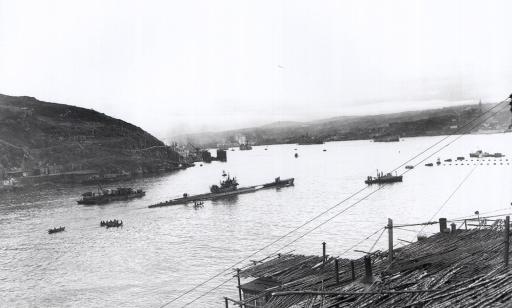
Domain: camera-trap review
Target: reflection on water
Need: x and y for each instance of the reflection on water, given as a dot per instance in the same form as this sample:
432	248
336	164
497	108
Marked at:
161	252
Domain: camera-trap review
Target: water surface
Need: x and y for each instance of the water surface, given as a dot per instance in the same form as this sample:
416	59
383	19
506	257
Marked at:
161	252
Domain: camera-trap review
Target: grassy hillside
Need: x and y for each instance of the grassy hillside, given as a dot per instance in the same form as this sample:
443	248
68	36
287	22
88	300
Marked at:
55	138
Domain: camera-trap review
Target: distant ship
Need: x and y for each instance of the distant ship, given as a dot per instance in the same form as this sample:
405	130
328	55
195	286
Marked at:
386	139
383	178
109	195
306	140
245	147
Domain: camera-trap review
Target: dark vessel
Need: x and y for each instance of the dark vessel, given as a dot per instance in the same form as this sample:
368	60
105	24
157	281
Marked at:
429	164
449	160
56	230
296	155
383	178
409	167
104	196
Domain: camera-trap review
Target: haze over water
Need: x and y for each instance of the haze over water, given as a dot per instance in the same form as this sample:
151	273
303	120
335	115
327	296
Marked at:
162	252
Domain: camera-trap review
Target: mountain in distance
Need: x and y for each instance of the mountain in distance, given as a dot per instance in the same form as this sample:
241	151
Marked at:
439	121
65	142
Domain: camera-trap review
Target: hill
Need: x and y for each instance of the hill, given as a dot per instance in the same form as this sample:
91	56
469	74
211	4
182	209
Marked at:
430	122
40	138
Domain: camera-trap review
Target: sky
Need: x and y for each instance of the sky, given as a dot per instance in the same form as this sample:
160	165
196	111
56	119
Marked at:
175	67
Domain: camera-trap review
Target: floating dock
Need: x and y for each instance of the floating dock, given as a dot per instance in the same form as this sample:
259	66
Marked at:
213	196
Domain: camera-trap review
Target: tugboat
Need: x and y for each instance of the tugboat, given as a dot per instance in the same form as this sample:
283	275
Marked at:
228	184
56	230
104	196
383	178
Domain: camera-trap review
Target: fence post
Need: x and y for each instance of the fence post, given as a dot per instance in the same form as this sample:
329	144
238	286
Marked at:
239	288
368	267
353	270
323	252
226	302
453	226
442	225
390	240
507	240
337	271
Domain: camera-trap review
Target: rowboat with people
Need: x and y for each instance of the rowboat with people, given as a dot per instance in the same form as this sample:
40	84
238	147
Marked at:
56	230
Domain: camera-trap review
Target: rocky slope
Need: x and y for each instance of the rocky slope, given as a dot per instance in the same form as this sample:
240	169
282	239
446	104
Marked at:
42	138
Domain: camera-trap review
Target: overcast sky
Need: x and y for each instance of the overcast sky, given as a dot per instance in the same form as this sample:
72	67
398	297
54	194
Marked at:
179	66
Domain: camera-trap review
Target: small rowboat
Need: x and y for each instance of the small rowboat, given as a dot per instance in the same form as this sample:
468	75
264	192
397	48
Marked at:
56	230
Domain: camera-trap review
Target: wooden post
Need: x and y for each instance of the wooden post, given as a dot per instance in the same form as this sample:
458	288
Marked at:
239	288
465	224
442	224
390	240
353	270
368	267
507	240
226	302
323	252
337	271
453	226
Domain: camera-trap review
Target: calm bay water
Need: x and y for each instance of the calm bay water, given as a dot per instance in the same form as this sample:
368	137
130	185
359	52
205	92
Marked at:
162	252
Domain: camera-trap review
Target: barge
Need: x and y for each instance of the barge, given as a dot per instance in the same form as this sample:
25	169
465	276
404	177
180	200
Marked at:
104	196
228	187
